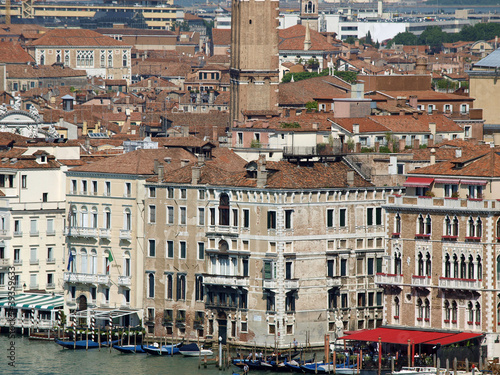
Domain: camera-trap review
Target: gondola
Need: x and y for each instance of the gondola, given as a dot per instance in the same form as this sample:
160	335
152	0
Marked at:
164	350
83	344
128	349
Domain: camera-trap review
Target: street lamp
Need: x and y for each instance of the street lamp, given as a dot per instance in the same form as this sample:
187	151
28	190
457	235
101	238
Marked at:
220	352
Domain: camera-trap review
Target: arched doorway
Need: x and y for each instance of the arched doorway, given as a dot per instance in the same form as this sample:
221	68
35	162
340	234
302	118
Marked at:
82	303
222	322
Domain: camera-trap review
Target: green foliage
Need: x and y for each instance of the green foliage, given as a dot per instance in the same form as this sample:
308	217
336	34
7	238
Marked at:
321	147
384	150
303	75
350	40
72	89
209	26
350	77
433	35
312	106
313	63
368	38
183	26
288	125
350	143
255	144
367	149
422	146
446	84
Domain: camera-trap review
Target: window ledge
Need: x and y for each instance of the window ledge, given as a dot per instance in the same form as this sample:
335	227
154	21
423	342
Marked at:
422	236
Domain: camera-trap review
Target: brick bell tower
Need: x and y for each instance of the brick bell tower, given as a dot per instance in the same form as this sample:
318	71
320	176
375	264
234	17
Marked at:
254	71
309	13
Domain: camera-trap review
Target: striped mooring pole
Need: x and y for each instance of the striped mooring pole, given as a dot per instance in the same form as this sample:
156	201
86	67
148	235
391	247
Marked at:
92	325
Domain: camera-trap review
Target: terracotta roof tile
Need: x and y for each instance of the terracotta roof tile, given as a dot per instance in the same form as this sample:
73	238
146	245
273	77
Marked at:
11	53
75	38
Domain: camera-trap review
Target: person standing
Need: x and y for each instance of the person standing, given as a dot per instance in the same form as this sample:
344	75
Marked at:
295	344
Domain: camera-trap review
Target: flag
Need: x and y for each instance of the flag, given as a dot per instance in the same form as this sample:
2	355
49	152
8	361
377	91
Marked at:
70	259
110	259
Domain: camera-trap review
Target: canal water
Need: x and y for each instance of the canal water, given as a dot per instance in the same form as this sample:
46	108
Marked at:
46	357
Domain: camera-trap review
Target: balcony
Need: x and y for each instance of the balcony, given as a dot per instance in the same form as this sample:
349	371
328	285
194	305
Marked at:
85	278
34	262
18	233
421	281
124	280
289	284
81	232
413	203
51	261
3	232
460	284
333	282
105	233
224	229
5	263
125	234
51	286
389	279
236	281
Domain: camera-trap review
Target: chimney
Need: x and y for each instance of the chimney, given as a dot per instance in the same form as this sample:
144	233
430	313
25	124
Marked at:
84	129
155	166
184	162
161	170
458	153
196	170
261	171
402	144
416	144
215	133
432	128
433	156
350	178
358	91
413	101
355	128
307	39
415	115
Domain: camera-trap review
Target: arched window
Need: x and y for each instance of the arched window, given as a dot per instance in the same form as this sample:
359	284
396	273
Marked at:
73	262
127	219
85	217
224	209
126	263
421	226
479	268
455	266
93	218
448	226
454	311
397	263
83	261
397	224
479	228
455	226
396	306
93	262
470	313
428	225
420	264
181	287
151	285
199	288
107	264
470	268
427	309
463	267
420	309
447	266
470	226
428	265
107	218
73	223
447	310
478	312
170	286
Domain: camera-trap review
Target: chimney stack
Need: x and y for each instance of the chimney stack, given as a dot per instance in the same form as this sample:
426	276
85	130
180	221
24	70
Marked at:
261	171
433	156
161	170
350	178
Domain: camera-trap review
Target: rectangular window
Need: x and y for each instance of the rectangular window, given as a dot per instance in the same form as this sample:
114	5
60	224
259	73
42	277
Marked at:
329	218
235	217
84	187
128	189
330	268
152	192
182	215
370	299
378	216
170	193
344	301
271	219
379	298
361	299
343	217
107	188
343	267
268	270
94	187
379	265
33	255
201	250
246	218
73	187
50	254
152	214
201	194
369	216
24	181
370	266
182	249
170	249
45	197
212	216
170	215
288	219
245	267
33	227
183	194
201	216
152	248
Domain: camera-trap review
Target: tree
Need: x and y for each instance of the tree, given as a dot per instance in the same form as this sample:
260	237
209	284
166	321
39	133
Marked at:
368	38
312	106
406	39
350	39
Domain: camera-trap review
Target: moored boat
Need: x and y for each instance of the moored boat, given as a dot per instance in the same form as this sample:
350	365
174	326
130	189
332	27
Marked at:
164	350
192	350
127	349
83	344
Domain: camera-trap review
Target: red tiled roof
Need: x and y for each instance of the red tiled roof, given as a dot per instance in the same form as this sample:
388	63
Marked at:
221	37
418	124
366	124
14	54
76	38
292	38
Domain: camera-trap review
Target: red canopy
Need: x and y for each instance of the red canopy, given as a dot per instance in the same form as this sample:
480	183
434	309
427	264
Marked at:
401	336
418	182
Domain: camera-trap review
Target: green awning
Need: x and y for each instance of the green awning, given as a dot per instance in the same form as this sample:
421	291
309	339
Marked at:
34	300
